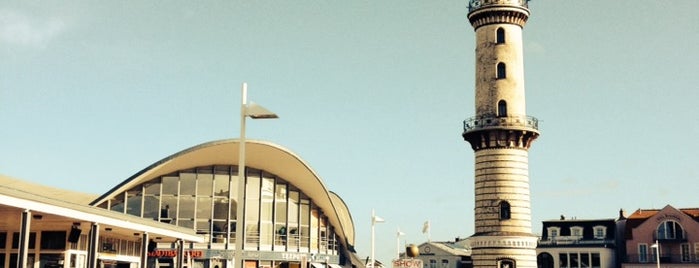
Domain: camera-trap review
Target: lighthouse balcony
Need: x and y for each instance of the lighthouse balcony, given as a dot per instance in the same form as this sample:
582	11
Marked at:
523	122
475	4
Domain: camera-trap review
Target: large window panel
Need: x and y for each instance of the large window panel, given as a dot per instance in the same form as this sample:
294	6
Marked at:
188	183
204	207
266	211
151	207
221	185
280	211
220	208
134	198
304	221
252	209
323	235
152	187
168	209
170	185
293	220
186	210
117	204
205	183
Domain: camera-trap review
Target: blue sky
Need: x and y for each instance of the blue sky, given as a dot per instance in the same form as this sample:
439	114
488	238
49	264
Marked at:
370	93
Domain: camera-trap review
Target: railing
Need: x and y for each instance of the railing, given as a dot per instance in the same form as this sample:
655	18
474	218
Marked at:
475	4
552	242
494	121
678	236
664	258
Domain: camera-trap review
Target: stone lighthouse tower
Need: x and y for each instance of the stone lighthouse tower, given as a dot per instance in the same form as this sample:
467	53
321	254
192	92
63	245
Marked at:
500	134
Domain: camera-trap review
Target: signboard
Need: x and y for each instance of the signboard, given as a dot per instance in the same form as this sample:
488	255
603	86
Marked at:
407	263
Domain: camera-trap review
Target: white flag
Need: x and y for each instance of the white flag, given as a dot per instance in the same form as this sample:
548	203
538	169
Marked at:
378	219
426	227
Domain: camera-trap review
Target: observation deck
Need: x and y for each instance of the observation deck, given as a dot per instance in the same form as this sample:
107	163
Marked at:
484	132
484	12
476	4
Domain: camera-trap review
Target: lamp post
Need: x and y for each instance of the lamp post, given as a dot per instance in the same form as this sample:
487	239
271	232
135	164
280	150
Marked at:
398	235
254	111
657	252
374	220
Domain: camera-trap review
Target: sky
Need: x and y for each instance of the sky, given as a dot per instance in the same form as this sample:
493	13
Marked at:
371	94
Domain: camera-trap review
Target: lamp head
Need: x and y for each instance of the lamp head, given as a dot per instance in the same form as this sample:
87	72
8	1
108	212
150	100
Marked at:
255	111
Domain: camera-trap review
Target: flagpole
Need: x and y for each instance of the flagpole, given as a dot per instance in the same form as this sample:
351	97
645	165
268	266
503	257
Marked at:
398	234
374	220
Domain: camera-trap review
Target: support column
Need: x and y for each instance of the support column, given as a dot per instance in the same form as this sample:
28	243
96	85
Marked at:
144	250
24	239
92	245
180	253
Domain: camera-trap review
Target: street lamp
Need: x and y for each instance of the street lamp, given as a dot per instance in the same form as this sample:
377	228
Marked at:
398	235
254	111
374	220
657	252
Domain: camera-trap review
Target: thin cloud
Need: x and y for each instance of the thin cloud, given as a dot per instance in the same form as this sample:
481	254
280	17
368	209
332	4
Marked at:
17	28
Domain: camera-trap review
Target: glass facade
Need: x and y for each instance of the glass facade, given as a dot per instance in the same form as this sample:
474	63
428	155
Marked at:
277	216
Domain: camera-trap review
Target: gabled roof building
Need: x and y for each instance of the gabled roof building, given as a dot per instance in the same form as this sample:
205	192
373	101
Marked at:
667	237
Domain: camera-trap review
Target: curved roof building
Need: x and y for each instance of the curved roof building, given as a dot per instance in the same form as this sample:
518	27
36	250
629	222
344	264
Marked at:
182	212
290	218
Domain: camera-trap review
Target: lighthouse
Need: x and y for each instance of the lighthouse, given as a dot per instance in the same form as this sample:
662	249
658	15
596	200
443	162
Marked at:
500	135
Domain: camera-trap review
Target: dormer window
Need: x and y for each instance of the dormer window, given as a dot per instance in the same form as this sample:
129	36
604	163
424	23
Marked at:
599	231
576	232
553	232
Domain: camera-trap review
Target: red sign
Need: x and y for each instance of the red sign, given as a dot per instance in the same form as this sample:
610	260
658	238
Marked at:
173	253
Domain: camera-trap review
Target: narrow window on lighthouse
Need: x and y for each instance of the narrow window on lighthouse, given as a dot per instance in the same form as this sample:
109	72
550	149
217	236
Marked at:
502	108
501	71
506	263
500	36
504	210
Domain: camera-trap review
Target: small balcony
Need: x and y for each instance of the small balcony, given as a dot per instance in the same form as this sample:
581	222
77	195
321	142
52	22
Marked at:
677	236
475	4
486	122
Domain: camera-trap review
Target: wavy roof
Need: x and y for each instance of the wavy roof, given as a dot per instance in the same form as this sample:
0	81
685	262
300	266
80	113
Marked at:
260	155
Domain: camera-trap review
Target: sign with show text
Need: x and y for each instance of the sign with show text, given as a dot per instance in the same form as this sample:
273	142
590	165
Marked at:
407	263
